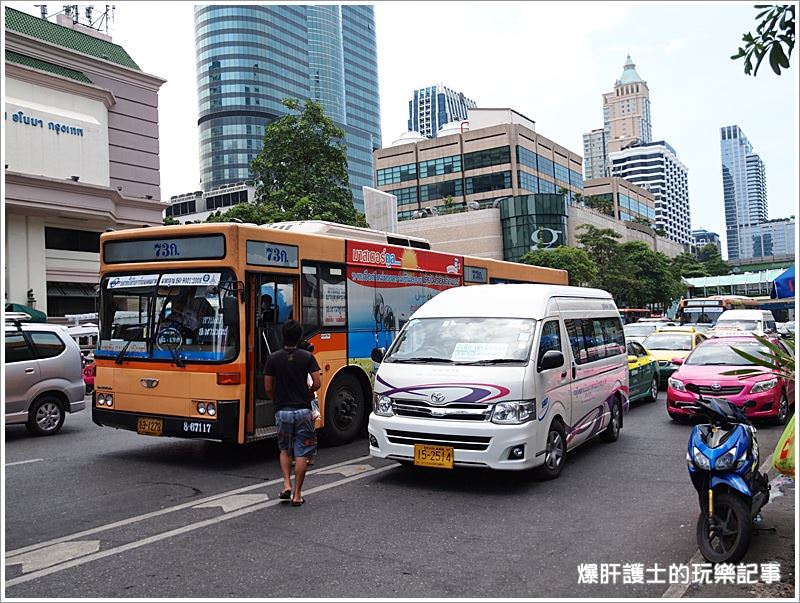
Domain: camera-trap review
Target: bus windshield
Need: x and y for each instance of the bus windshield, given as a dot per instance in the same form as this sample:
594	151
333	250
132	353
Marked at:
176	317
464	341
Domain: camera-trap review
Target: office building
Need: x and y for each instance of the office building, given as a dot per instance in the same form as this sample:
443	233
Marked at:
621	199
655	167
81	154
702	237
251	57
744	188
626	121
432	107
767	239
198	205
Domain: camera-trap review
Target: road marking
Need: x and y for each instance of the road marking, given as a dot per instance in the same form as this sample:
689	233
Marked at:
183	530
53	555
23	462
130	520
232	503
676	591
348	470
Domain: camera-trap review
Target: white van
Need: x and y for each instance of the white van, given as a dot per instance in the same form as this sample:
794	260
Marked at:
734	322
505	376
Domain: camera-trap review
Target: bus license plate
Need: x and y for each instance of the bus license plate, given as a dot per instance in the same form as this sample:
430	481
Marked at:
433	456
147	426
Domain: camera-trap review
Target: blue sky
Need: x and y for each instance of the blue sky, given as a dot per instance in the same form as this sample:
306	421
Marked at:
550	61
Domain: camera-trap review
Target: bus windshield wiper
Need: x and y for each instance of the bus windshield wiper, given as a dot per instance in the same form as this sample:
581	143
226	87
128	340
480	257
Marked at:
176	357
118	359
492	361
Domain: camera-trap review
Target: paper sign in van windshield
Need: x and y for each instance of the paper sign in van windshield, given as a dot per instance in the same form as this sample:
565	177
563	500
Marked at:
190	279
134	280
467	352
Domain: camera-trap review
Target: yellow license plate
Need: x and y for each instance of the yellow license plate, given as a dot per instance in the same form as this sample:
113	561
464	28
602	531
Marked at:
433	456
146	426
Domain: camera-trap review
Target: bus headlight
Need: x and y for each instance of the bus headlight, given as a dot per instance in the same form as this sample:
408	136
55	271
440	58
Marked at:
201	408
382	405
514	413
110	400
211	409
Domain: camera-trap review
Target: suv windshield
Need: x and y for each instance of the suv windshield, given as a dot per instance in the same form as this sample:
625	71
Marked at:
168	316
464	341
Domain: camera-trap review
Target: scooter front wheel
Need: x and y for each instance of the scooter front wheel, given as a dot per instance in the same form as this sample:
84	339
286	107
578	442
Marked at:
725	537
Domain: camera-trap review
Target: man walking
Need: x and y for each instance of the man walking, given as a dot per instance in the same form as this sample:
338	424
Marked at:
286	382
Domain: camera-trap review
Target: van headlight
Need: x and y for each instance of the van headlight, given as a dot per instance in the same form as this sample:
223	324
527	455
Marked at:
514	412
382	405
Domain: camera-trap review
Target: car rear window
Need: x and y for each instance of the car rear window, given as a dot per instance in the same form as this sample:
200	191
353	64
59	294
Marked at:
47	344
17	349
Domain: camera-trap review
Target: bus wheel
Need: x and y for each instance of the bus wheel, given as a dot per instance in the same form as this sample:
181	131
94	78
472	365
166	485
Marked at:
344	410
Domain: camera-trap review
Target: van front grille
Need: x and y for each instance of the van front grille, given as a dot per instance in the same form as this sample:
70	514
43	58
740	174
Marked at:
458	442
456	411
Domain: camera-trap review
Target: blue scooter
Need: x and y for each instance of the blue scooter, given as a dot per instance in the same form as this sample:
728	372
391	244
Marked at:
723	464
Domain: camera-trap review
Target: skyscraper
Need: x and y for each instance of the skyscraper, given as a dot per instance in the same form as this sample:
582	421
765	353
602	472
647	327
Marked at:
249	58
655	167
626	121
744	188
432	107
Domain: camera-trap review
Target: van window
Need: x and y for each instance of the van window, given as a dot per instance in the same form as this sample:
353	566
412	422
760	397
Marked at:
595	338
550	338
47	345
17	349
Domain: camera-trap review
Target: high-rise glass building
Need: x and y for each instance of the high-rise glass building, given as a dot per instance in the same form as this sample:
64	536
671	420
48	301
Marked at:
655	167
432	107
249	58
744	189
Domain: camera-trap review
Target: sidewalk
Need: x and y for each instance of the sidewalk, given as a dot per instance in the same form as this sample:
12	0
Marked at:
765	547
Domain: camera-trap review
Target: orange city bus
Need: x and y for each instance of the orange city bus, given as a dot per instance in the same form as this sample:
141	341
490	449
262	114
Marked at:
189	313
706	310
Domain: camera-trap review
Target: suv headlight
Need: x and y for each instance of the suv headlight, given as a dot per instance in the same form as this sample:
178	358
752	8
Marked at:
514	413
676	384
763	386
726	461
382	405
700	459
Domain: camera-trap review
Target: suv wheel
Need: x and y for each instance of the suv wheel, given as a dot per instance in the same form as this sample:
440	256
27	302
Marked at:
45	416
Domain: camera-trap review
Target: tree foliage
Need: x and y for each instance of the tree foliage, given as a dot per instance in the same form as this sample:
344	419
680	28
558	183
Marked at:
301	171
774	31
254	213
710	257
582	270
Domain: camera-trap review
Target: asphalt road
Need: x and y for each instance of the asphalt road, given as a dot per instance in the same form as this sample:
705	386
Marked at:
99	513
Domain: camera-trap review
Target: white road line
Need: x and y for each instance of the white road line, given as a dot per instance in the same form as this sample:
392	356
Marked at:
183	530
130	520
676	591
23	462
53	555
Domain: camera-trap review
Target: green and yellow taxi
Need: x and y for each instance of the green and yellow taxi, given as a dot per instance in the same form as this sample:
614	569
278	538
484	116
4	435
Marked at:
671	342
643	373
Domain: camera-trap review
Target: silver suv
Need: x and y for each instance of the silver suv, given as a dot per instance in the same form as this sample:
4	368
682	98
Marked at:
44	376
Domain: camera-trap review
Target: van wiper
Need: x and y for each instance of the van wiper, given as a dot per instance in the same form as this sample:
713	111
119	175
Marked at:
491	361
118	359
420	359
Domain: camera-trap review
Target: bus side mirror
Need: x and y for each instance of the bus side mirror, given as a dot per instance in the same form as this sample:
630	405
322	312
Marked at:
378	354
230	310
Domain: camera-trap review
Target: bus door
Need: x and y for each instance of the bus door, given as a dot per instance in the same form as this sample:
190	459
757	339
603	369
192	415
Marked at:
274	305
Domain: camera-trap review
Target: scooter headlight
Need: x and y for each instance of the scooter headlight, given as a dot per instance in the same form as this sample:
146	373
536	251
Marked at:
726	461
700	459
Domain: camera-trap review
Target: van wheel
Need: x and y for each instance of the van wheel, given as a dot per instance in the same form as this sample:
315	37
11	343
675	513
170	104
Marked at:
611	433
555	452
45	416
344	411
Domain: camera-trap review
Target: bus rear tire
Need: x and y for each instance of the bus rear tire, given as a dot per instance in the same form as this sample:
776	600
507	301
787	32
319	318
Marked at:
344	411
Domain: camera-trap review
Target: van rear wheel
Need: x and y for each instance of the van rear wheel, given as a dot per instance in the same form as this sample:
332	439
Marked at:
555	452
45	416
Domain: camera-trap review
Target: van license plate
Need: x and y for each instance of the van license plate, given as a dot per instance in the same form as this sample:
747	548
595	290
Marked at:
433	456
147	426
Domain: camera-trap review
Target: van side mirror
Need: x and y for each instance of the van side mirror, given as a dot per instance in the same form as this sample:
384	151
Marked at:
378	354
550	359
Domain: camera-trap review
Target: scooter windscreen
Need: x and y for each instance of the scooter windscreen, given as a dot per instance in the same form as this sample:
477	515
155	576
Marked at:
722	409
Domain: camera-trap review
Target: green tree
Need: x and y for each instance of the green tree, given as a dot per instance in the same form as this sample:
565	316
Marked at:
302	168
603	247
652	271
774	30
582	270
712	261
169	221
686	265
254	213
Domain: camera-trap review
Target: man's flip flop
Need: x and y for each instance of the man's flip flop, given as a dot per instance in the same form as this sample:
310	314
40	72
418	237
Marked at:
297	503
285	495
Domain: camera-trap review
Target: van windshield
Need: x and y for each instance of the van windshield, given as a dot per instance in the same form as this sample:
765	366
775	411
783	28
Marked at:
740	325
464	341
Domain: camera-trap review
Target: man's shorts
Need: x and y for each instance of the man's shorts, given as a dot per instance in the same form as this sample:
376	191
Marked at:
296	432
